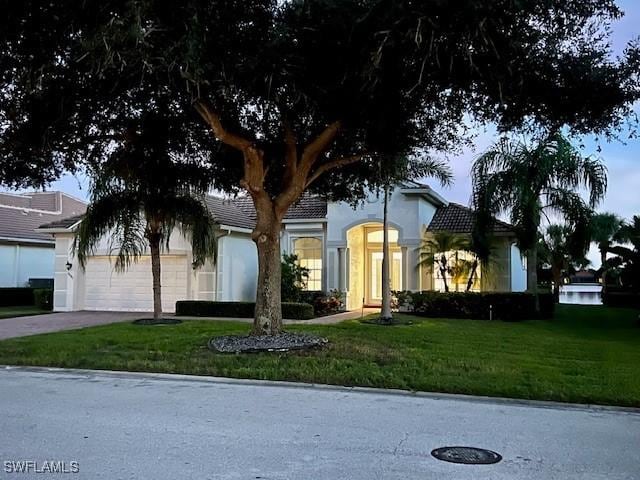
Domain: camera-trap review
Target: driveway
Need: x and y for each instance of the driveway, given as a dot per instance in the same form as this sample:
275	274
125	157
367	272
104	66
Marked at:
166	427
54	322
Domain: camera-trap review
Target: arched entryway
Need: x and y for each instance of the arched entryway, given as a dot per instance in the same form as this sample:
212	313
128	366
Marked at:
364	244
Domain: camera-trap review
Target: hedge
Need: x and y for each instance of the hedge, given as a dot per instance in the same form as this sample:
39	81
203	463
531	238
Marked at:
14	297
621	299
481	306
201	308
43	298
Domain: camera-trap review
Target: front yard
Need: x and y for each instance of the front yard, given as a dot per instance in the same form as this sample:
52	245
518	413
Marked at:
586	355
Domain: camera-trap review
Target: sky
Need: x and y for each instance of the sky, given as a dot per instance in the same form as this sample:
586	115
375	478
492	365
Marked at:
621	159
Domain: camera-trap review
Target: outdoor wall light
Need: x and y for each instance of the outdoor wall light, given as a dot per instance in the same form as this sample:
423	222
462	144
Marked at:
69	265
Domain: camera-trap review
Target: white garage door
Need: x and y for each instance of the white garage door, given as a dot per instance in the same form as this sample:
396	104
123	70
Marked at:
106	289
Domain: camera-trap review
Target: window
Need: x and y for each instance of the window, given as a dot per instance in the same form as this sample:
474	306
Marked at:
376	236
309	253
459	267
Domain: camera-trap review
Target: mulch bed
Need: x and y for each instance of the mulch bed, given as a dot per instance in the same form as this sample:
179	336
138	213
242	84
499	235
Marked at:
282	342
159	321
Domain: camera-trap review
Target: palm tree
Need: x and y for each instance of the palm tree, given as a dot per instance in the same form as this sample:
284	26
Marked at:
441	251
394	173
628	254
139	196
602	228
525	181
555	249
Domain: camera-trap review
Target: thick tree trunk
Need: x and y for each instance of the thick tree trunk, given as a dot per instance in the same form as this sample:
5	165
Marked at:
385	313
154	245
532	275
268	314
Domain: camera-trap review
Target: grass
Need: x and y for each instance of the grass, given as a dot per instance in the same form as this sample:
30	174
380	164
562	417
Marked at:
586	355
20	311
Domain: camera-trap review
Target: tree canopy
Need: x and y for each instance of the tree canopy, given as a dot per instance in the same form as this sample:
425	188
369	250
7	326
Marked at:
396	77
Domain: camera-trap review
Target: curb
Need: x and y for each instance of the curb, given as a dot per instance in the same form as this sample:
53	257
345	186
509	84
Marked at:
515	402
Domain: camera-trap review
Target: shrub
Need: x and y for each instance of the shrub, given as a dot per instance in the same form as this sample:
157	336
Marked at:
202	308
14	297
43	298
324	303
293	279
482	306
621	299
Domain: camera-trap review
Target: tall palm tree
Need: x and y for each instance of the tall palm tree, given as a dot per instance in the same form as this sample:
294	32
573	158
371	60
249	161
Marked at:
440	251
139	196
395	173
526	181
602	228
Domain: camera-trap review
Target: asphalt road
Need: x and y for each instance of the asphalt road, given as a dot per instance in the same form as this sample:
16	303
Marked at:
137	427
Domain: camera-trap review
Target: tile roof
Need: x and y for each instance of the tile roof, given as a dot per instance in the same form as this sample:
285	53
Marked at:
227	212
233	212
22	214
63	223
457	218
308	207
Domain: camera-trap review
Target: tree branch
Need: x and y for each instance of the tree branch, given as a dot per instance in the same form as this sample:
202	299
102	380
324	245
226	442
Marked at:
291	154
330	165
320	144
225	136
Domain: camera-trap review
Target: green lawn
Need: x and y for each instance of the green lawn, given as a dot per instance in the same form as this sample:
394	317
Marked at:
586	354
10	312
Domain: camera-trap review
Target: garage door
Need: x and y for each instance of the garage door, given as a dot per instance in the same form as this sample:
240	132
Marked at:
106	289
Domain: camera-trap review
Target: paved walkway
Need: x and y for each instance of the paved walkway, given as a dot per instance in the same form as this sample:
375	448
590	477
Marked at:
170	427
55	322
327	320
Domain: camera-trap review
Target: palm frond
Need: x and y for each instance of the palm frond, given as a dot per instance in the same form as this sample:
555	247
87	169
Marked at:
117	217
199	228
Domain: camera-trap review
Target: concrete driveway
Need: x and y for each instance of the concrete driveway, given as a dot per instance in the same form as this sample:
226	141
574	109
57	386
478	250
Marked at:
54	322
119	425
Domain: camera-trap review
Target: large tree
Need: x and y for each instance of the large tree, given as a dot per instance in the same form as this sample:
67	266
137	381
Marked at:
301	95
528	181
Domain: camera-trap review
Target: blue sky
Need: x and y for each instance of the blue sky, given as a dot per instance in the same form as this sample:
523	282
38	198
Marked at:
622	160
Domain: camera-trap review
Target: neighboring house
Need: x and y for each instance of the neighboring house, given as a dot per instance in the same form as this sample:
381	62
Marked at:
585	276
27	253
341	247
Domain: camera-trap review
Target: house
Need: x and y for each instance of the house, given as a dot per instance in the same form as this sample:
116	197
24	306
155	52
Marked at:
26	253
341	247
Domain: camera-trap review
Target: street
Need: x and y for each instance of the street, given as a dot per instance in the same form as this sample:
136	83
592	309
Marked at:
123	426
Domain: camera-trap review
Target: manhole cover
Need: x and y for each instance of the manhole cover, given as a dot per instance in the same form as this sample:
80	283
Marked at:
467	455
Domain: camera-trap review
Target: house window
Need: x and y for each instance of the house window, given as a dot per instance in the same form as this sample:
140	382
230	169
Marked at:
309	253
459	269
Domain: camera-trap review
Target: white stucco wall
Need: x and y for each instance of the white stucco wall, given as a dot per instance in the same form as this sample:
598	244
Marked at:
232	279
19	263
407	213
518	271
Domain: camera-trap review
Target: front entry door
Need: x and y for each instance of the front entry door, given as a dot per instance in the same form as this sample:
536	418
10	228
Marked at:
374	275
